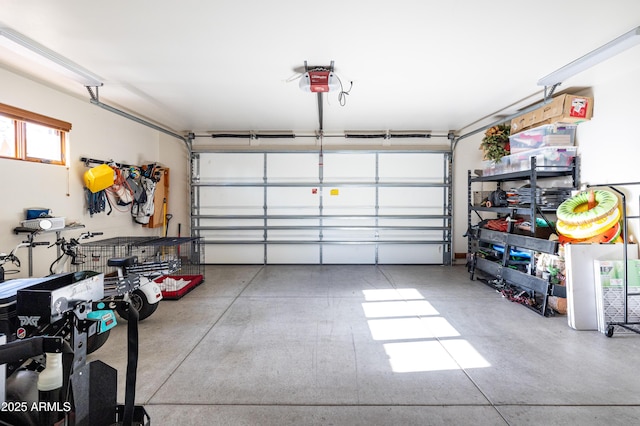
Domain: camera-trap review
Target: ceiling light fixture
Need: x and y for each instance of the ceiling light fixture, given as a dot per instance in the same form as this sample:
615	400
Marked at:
36	52
585	62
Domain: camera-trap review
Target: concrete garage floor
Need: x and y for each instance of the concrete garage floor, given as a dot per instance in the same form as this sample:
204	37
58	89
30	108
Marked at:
367	345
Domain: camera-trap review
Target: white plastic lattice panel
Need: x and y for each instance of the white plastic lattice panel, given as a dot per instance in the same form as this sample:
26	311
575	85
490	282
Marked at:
613	305
580	274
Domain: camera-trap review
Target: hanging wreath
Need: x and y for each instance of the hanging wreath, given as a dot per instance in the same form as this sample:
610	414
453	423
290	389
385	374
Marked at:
495	143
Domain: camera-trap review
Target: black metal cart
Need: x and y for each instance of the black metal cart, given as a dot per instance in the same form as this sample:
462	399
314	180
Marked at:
625	324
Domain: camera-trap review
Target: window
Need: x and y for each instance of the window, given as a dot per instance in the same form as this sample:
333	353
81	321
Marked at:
7	137
29	136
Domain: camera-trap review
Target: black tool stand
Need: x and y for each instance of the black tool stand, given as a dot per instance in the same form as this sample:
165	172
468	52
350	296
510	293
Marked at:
31	233
89	389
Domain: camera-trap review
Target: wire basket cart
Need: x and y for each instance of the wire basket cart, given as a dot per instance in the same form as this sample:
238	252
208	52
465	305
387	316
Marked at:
621	306
179	261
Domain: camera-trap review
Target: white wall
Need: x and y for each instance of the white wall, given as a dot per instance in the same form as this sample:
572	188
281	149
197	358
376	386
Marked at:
608	145
467	156
174	154
96	133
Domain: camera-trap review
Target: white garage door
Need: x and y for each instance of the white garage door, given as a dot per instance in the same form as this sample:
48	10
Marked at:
342	207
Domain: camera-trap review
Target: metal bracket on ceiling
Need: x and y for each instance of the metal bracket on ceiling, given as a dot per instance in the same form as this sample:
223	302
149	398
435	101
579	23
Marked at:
319	95
94	96
95	99
320	112
318	68
451	136
548	91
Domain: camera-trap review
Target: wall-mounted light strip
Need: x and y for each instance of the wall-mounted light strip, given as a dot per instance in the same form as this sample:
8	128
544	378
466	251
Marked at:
36	52
585	62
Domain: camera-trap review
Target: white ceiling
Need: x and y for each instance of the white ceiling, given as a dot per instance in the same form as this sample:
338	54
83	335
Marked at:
222	65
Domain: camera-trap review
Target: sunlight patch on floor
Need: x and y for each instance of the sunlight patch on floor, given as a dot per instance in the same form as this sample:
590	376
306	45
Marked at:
392	294
415	336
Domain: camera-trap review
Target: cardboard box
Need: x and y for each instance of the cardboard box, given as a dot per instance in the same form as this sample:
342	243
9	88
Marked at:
568	109
610	273
563	109
535	117
518	124
526	121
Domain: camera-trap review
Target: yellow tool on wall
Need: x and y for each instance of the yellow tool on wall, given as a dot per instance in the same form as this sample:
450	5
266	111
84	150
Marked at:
98	178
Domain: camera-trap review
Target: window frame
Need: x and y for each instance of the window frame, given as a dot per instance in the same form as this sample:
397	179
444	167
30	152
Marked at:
20	119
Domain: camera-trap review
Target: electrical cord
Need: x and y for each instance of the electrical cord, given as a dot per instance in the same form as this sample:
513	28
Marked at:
342	95
342	100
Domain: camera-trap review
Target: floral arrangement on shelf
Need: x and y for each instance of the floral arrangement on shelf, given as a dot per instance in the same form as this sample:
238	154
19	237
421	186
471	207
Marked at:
495	143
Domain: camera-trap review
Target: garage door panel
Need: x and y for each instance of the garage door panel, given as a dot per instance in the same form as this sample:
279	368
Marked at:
349	254
284	201
292	201
301	235
231	200
411	200
293	254
342	167
292	167
409	235
399	222
349	201
365	207
349	221
348	234
234	254
415	167
231	167
410	230
230	223
293	222
410	254
234	234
